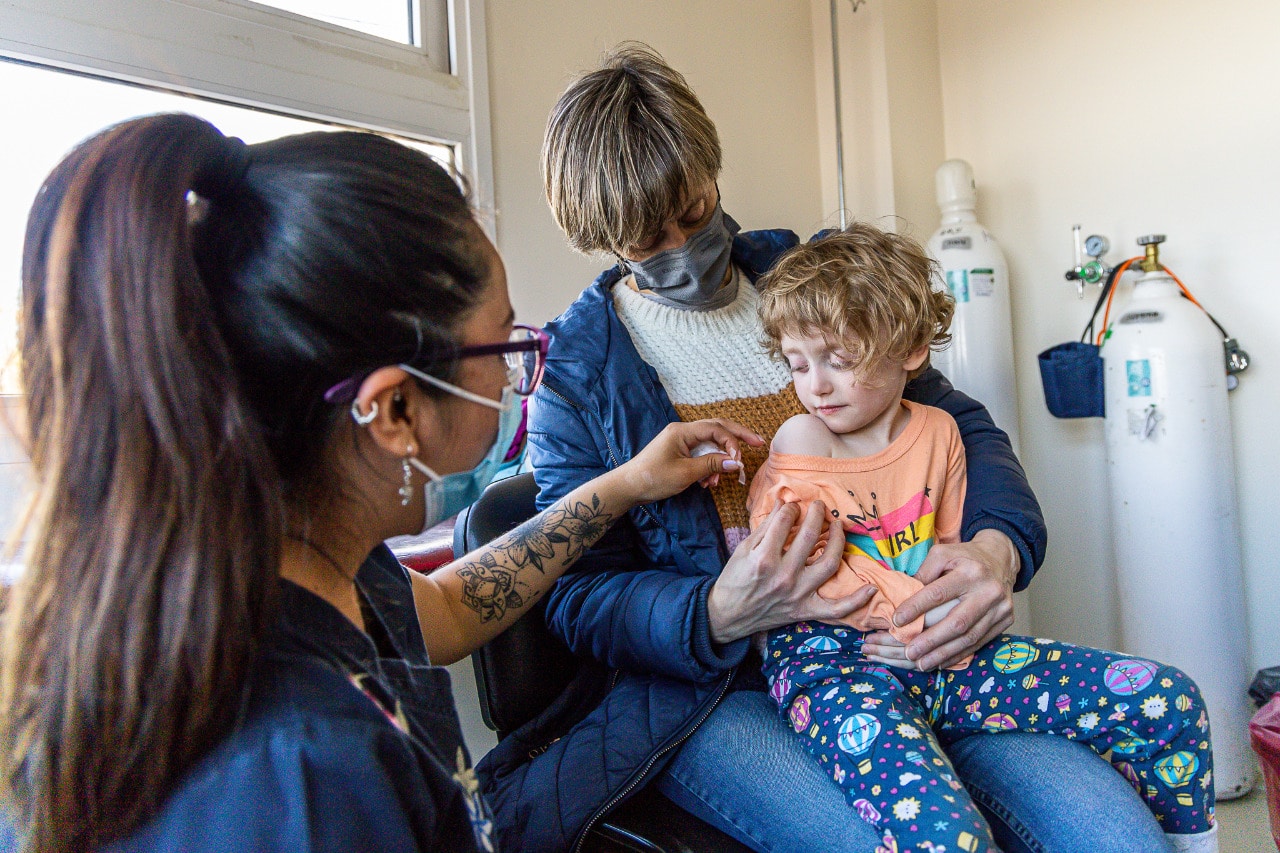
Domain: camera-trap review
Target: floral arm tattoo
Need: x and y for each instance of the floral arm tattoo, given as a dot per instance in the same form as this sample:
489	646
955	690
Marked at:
499	578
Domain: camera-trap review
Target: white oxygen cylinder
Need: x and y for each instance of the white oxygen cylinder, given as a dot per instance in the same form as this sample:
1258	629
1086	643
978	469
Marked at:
1173	508
979	360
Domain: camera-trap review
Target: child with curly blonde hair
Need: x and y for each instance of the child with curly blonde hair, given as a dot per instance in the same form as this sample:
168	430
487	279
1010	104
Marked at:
855	314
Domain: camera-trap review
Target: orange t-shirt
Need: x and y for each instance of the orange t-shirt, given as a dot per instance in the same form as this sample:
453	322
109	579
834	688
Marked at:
893	506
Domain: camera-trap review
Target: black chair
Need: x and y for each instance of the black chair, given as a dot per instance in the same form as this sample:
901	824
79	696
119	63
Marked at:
520	672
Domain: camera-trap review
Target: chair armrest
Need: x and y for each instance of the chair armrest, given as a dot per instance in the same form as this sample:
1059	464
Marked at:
428	551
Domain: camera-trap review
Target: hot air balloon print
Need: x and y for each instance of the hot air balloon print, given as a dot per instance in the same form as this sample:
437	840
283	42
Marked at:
1127	771
821	644
1015	655
867	811
999	723
858	733
1127	677
781	685
1130	744
1178	769
799	713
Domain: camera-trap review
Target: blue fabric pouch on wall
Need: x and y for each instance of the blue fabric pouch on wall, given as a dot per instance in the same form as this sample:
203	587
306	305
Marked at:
1071	374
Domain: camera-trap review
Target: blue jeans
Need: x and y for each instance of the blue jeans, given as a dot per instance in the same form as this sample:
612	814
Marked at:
746	773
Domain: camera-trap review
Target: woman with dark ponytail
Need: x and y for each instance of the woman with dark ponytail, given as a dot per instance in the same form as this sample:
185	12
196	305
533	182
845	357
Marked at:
246	367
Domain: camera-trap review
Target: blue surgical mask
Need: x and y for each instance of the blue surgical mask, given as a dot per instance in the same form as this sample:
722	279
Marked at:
692	276
448	495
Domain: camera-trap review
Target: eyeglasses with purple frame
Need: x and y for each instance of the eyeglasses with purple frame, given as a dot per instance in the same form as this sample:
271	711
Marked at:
525	353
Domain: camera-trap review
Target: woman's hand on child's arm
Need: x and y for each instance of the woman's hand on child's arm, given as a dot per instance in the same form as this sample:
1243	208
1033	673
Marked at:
766	584
979	574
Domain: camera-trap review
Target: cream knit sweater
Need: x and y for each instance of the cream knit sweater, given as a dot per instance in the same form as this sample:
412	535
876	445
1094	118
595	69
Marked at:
712	365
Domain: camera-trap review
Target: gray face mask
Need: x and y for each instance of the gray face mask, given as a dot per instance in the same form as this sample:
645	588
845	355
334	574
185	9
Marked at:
690	276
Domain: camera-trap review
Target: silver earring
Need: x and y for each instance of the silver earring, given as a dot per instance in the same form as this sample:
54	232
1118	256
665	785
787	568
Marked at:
406	491
364	420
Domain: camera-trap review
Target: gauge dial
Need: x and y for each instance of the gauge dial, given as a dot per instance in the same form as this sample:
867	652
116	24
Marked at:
1096	245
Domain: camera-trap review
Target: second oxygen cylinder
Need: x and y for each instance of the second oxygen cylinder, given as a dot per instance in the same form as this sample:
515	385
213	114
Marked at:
1173	509
979	361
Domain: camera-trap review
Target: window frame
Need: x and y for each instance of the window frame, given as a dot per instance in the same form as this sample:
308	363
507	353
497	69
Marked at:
260	57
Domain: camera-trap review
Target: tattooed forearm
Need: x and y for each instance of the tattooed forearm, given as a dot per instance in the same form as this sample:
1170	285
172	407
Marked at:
501	578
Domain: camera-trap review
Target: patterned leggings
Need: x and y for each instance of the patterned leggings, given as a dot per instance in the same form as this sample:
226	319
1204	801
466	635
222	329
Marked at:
877	730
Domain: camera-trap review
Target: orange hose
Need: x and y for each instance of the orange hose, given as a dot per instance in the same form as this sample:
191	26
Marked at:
1116	286
1185	292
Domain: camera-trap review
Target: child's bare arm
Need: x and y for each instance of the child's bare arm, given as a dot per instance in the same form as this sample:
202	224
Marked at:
803	435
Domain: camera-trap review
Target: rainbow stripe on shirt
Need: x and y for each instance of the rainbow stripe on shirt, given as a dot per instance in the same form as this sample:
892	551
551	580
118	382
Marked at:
898	540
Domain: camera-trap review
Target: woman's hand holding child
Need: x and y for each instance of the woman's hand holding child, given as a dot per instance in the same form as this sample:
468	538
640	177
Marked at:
976	578
767	584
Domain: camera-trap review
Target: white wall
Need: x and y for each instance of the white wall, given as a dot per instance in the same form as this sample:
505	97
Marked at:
751	64
1128	118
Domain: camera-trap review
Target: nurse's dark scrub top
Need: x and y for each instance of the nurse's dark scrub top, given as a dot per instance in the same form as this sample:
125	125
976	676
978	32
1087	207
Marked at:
347	742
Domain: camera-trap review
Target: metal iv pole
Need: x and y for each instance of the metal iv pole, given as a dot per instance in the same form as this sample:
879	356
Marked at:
835	79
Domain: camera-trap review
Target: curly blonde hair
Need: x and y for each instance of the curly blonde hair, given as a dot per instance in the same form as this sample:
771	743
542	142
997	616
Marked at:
869	290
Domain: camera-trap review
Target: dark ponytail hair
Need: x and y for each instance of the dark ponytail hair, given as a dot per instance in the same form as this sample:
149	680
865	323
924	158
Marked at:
186	303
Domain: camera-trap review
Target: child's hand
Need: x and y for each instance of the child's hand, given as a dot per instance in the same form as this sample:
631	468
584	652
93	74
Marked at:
880	647
669	464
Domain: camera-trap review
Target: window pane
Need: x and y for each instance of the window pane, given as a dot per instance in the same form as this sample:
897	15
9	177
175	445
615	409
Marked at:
84	106
389	19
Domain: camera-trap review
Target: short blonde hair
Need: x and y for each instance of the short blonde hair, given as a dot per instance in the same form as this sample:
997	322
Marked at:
625	146
870	291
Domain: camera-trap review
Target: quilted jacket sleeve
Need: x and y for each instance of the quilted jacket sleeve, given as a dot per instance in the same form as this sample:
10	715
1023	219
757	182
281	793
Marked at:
616	606
999	496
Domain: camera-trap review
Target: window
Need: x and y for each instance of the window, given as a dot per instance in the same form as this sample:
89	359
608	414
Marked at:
85	106
432	87
395	20
403	67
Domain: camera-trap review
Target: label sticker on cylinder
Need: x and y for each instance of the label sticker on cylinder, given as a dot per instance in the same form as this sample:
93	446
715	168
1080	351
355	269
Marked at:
1139	375
1141	317
1146	423
982	282
958	284
957	243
